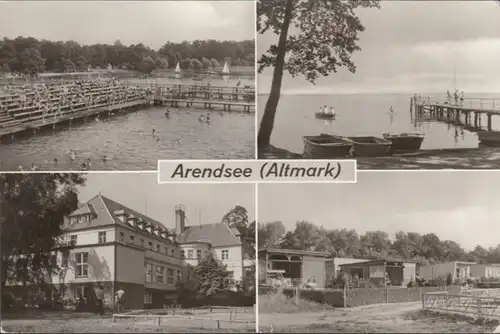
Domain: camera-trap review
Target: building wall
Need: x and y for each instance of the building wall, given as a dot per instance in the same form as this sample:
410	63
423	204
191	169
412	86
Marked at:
191	252
165	246
314	267
129	264
465	270
91	236
409	273
235	261
437	270
485	270
101	265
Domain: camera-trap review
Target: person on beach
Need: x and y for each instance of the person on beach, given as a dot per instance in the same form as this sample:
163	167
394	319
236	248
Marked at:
448	97
462	99
456	97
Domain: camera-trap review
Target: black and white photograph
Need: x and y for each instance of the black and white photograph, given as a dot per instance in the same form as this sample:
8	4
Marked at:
118	253
118	85
398	252
392	84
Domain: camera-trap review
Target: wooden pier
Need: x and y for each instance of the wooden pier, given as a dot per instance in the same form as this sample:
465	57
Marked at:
82	114
467	112
208	104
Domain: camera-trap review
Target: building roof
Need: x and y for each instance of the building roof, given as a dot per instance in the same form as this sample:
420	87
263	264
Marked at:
376	262
294	252
218	234
104	209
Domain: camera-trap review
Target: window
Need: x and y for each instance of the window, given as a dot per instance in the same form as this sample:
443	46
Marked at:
148	268
230	274
122	236
198	254
74	239
150	245
158	248
82	291
85	219
190	254
73	220
160	273
170	276
166	250
225	254
82	266
102	237
179	276
148	298
182	253
172	252
131	239
141	242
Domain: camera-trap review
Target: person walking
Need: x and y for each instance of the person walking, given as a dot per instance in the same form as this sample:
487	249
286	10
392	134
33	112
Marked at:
99	293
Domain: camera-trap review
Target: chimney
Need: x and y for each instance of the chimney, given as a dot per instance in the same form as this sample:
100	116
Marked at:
180	217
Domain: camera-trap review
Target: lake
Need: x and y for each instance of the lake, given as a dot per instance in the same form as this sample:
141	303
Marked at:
361	115
127	140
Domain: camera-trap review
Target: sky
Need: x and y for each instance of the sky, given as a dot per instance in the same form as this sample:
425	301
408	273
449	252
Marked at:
459	206
414	46
204	203
151	22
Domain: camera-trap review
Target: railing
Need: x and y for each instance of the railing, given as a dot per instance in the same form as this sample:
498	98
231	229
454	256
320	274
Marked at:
484	307
470	102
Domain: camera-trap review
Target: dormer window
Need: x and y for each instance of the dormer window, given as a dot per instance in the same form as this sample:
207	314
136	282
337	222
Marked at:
140	224
149	229
73	220
120	214
130	220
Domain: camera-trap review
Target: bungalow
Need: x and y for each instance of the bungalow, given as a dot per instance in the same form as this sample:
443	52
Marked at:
458	269
397	272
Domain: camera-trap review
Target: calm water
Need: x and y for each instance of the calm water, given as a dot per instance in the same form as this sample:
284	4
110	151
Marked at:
128	142
358	115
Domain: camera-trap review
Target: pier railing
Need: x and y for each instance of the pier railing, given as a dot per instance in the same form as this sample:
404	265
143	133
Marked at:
477	103
483	307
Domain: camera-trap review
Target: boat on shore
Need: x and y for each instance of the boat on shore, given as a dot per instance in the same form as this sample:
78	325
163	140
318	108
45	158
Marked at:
370	146
404	142
326	146
489	138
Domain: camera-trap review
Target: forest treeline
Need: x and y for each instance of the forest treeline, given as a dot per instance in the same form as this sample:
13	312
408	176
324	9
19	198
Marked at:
425	248
30	55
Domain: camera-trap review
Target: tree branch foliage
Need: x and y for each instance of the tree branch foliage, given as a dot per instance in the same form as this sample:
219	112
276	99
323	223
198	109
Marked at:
322	38
426	248
28	54
32	207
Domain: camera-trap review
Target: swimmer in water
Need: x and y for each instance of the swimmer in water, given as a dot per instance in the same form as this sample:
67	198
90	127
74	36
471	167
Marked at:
202	118
391	110
34	167
104	158
89	163
55	161
154	132
83	166
72	155
20	168
178	141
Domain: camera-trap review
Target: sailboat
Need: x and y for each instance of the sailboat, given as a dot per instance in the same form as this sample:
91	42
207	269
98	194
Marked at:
177	71
225	69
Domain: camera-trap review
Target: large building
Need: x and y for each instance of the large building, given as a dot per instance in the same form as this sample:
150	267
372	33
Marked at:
124	249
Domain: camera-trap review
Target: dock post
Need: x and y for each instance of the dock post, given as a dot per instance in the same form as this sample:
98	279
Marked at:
489	122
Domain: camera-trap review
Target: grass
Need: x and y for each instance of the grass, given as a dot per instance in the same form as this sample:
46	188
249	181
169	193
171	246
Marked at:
280	314
35	321
279	303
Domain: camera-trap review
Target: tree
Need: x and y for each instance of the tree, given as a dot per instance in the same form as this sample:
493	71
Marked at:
270	234
327	33
147	65
215	63
196	64
207	64
186	64
237	218
32	207
211	276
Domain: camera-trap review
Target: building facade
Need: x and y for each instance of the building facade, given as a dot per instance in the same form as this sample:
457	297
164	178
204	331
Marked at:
457	269
382	272
120	248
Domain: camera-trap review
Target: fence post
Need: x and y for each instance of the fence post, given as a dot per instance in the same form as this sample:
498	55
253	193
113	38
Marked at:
218	324
345	296
386	295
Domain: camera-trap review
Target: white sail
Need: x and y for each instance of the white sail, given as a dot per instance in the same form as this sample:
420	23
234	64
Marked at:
225	70
178	68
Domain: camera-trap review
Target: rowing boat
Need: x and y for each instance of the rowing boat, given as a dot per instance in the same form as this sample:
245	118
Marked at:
324	115
325	147
369	146
405	142
489	138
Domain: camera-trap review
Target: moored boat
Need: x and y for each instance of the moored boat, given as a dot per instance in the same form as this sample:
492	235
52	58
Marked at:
325	147
489	138
324	115
369	146
405	142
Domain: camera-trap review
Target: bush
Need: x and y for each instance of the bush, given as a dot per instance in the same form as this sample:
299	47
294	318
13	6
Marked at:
8	300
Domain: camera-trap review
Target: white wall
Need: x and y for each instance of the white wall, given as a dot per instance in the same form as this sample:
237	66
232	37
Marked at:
194	247
377	271
485	270
91	237
434	271
101	265
337	261
129	264
235	261
165	245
